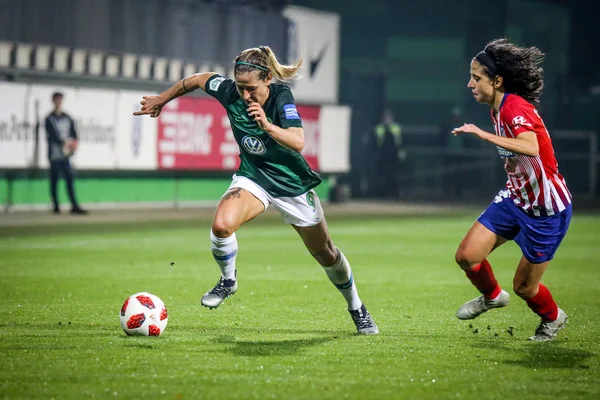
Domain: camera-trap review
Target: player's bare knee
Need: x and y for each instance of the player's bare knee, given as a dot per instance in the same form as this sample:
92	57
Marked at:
465	258
525	290
325	255
222	227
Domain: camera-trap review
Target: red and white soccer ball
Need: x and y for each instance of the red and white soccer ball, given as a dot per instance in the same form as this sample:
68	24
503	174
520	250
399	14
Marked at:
70	146
144	314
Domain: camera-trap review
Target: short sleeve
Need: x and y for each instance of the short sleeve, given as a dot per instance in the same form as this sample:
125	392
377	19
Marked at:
287	111
220	88
520	118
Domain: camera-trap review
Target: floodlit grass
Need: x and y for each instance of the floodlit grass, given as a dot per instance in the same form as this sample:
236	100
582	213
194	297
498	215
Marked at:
286	334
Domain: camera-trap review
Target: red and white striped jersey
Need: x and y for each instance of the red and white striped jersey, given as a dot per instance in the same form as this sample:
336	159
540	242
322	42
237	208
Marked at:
534	183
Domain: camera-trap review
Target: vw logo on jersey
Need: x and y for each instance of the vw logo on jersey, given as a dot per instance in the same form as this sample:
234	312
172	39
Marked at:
253	145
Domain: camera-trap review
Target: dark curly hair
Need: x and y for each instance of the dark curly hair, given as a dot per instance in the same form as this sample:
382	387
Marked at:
518	66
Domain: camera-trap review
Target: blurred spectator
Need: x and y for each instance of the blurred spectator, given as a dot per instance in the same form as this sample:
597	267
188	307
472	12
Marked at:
452	153
62	143
389	156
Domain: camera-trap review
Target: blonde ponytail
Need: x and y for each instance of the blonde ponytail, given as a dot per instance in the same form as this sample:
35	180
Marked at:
281	72
264	60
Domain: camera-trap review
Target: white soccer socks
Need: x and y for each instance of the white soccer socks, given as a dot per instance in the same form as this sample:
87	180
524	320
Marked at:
224	251
340	274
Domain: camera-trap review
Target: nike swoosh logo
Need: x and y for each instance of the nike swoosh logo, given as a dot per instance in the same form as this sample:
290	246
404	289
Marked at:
316	61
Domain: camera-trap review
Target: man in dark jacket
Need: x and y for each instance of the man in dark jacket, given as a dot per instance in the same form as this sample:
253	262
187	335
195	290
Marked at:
62	143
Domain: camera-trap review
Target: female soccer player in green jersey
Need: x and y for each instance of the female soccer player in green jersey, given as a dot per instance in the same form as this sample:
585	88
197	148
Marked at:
268	129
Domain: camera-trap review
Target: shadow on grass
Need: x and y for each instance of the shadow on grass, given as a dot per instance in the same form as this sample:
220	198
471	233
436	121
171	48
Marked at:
257	348
556	354
140	342
246	330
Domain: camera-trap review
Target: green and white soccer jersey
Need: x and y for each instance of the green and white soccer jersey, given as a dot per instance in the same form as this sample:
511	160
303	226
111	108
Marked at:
280	171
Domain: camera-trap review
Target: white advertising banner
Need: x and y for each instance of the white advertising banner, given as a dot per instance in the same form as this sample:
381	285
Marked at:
315	36
16	130
94	114
334	141
111	138
136	136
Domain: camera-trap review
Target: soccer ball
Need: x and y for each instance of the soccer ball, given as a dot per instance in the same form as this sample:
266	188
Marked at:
70	146
143	314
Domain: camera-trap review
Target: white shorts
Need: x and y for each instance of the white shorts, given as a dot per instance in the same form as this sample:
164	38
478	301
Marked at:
303	210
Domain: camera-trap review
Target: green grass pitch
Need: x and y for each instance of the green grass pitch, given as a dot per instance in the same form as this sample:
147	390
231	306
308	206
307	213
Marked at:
286	334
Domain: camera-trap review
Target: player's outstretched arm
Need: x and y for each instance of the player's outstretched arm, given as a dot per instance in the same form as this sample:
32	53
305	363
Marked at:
526	143
152	105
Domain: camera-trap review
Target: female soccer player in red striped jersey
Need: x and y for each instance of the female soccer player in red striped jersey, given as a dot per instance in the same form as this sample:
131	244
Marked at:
534	209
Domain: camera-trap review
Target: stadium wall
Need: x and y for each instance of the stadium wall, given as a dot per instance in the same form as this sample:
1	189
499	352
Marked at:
33	193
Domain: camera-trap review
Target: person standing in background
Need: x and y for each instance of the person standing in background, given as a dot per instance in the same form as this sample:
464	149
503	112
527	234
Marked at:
390	155
62	143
